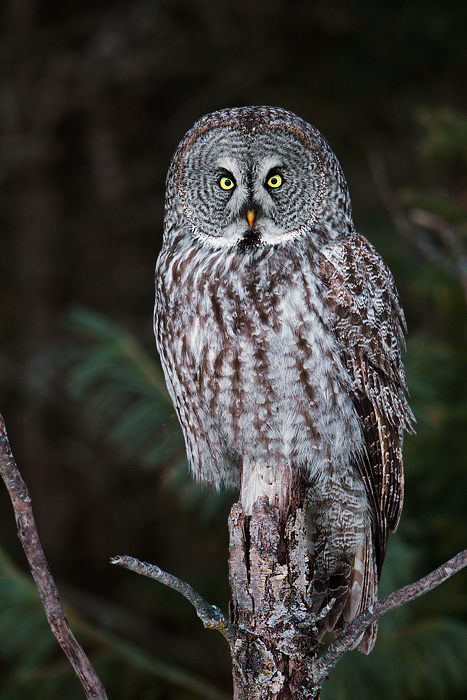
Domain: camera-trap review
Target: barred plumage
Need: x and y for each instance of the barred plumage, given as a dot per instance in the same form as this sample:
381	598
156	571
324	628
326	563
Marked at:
280	332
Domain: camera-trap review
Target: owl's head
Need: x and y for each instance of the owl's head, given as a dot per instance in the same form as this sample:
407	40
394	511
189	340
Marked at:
256	176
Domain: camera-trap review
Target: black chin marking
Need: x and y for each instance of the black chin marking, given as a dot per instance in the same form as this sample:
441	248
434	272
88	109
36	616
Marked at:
251	239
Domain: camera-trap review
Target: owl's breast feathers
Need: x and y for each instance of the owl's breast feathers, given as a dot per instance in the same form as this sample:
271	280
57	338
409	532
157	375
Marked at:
290	357
254	368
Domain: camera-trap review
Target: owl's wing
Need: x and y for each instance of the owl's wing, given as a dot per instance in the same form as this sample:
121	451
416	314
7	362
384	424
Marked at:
368	323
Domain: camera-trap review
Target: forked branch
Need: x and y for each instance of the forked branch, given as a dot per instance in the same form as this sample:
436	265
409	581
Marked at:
319	666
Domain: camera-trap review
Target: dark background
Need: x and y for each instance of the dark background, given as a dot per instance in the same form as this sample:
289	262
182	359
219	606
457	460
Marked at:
95	97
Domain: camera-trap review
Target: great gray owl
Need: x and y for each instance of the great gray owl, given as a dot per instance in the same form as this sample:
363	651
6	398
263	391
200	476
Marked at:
280	329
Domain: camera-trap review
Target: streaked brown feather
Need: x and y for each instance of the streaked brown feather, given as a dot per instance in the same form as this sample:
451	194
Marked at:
369	324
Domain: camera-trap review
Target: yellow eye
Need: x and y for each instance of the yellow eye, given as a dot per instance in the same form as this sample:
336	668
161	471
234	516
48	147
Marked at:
274	181
226	183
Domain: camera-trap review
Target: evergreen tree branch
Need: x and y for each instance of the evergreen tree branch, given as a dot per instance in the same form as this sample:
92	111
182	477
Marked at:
28	535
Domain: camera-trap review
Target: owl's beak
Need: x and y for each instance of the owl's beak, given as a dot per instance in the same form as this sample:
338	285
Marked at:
250	215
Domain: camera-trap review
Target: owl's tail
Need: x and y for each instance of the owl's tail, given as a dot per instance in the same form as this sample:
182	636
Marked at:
363	592
343	586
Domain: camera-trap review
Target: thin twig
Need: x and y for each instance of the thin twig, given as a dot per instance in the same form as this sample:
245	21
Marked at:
449	238
434	238
349	636
210	615
27	533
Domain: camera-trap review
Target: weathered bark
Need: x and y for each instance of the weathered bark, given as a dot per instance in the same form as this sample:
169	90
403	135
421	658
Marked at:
270	602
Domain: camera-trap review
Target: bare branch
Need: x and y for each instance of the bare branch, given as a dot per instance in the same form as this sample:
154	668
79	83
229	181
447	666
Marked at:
210	615
27	533
404	595
318	666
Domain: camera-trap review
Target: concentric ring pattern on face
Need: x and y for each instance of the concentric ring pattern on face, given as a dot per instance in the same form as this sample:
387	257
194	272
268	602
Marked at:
248	162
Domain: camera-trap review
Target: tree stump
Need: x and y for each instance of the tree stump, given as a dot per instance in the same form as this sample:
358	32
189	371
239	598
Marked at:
271	601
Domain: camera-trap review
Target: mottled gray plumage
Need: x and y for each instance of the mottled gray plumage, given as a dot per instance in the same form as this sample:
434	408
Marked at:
280	332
